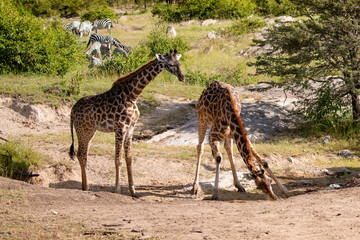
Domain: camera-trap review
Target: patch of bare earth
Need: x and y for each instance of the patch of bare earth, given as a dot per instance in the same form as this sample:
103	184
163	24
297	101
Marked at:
56	208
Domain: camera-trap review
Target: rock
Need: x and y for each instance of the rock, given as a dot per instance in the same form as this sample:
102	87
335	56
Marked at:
208	22
326	139
211	35
334	186
347	154
290	159
207	49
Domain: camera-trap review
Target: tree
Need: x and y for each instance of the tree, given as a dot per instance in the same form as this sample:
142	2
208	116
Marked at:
322	49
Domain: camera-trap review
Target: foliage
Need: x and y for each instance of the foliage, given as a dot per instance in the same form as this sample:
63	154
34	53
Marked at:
234	76
204	9
275	7
26	47
157	42
98	11
16	161
243	26
201	78
121	65
324	44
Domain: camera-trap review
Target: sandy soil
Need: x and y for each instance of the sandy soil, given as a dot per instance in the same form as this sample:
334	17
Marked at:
165	209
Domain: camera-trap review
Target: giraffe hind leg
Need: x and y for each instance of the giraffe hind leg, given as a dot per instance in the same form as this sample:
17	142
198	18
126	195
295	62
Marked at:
128	159
82	153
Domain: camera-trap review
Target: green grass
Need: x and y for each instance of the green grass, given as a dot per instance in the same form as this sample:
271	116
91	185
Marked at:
17	160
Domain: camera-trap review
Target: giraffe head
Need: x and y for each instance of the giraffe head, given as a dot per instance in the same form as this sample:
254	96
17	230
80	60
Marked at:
171	63
263	182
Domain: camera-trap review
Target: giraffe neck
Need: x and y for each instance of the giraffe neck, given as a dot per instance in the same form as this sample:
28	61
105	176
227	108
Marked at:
136	81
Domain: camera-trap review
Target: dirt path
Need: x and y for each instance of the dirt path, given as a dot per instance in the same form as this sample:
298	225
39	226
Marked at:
165	209
317	215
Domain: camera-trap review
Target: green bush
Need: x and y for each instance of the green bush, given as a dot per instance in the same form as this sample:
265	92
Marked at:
156	42
98	12
26	47
17	161
201	78
275	7
243	26
159	42
204	9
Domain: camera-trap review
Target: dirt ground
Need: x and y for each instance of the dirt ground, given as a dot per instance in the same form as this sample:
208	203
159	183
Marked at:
56	208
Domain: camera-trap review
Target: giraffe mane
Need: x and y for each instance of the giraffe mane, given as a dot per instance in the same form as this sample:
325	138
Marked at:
133	73
241	124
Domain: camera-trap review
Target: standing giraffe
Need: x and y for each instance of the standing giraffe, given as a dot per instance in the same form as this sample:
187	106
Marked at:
116	111
219	107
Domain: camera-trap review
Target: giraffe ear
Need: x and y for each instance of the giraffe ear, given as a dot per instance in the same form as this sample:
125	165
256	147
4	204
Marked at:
160	57
178	56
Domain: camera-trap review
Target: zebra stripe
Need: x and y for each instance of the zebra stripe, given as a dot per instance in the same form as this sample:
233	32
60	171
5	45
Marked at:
74	27
102	23
104	39
85	26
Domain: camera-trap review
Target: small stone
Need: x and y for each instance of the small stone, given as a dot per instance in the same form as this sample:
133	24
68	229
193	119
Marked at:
290	159
54	212
347	154
327	139
334	186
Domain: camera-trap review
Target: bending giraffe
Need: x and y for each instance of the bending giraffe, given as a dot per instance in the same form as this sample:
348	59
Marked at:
116	111
219	107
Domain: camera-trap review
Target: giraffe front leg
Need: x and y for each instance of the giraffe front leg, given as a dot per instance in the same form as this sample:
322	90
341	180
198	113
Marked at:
119	141
200	150
215	148
128	159
228	145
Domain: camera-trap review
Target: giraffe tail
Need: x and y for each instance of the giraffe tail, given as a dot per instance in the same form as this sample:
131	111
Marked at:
72	149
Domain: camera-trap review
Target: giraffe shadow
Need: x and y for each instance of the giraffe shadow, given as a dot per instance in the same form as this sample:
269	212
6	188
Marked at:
161	191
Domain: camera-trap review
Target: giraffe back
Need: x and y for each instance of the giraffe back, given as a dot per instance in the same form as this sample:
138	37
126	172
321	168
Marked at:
214	104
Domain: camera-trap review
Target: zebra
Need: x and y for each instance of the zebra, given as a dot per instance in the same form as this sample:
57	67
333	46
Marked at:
85	26
97	48
103	23
103	39
94	61
74	27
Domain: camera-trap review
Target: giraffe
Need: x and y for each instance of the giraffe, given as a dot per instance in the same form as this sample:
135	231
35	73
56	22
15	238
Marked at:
219	107
116	111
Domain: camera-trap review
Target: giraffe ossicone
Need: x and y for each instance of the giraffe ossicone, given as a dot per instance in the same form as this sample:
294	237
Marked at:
116	111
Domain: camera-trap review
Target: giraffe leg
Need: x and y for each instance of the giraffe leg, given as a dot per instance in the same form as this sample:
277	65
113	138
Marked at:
200	150
119	142
128	159
215	149
228	145
83	148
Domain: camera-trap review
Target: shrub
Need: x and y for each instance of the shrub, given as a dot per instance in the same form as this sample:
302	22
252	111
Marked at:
26	47
156	42
98	12
201	78
17	161
243	26
204	9
159	42
275	7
